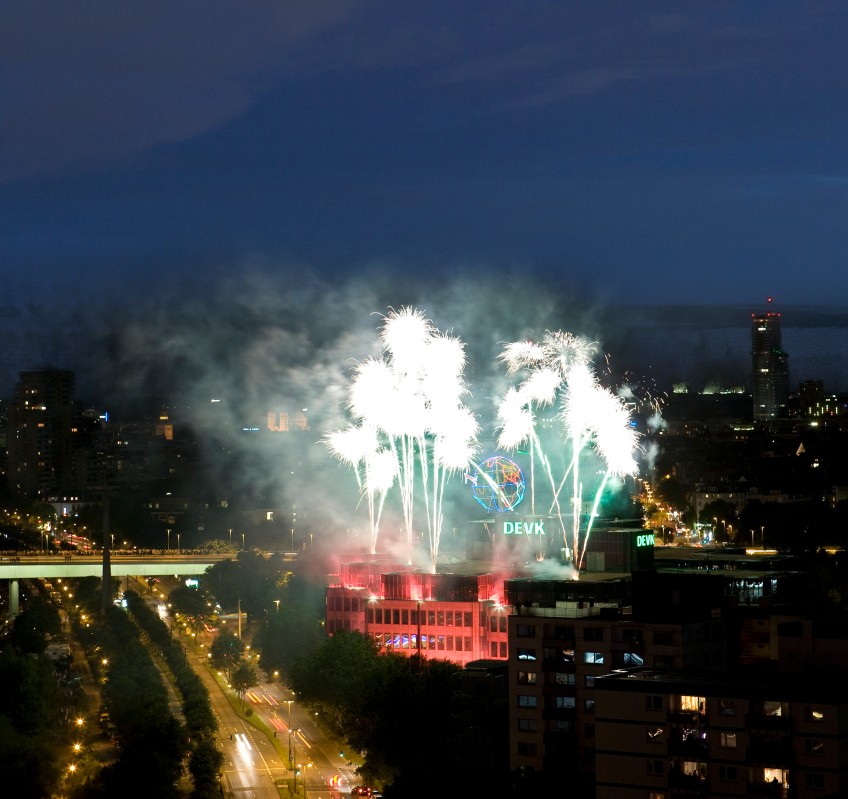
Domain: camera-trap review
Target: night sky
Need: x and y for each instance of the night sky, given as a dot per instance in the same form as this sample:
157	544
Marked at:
177	161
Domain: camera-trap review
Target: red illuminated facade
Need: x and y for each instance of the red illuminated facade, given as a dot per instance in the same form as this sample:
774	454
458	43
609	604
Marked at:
456	617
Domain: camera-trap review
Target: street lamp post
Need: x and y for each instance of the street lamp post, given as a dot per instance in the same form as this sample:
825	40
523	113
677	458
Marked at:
178	542
169	540
242	542
289	703
293	755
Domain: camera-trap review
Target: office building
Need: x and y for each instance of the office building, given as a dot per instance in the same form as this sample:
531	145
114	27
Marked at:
770	367
458	616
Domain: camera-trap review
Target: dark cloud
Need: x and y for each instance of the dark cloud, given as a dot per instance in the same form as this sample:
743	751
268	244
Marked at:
636	151
88	83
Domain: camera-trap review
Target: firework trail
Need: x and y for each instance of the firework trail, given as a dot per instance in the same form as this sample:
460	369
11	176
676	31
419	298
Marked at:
615	441
561	367
374	466
548	367
412	397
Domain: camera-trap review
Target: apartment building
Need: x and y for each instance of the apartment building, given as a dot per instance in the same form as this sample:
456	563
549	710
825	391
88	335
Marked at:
557	650
666	734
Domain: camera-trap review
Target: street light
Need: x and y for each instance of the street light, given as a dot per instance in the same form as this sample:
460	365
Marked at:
277	604
169	540
291	759
242	541
293	754
178	542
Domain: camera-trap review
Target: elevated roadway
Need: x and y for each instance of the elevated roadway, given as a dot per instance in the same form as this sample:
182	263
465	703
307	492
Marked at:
40	566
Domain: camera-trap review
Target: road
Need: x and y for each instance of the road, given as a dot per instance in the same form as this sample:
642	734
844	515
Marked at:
320	758
251	760
252	767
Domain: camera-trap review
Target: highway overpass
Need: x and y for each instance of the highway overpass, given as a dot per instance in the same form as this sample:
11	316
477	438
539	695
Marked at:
36	566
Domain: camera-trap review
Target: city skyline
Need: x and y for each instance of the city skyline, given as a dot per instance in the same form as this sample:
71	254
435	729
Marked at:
254	338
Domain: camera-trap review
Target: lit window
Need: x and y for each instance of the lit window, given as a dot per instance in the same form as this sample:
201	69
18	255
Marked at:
695	704
691	768
728	740
593	657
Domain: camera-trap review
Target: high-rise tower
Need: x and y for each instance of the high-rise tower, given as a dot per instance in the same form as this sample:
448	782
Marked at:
770	365
43	422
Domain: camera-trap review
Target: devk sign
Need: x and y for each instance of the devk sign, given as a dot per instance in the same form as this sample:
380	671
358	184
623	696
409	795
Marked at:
524	528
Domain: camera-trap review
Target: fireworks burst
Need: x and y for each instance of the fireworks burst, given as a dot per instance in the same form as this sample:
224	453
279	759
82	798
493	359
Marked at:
412	398
561	366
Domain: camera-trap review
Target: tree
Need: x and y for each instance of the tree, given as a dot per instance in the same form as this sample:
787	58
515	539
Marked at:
251	581
243	679
334	677
226	651
287	634
28	698
191	604
205	765
27	763
32	628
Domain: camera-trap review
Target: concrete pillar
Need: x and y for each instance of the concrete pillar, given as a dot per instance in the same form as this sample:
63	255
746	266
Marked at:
14	598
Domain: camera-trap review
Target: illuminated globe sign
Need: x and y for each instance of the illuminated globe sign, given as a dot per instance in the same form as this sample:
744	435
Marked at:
497	484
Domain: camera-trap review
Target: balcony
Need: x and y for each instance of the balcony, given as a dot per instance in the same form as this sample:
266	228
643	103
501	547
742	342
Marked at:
687	784
686	718
768	789
761	721
769	751
694	748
